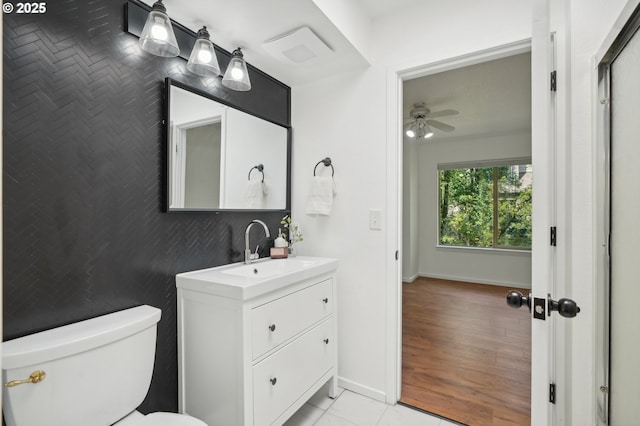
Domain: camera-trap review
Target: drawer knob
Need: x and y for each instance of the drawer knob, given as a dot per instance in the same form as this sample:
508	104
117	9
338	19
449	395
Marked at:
325	300
326	341
273	381
272	327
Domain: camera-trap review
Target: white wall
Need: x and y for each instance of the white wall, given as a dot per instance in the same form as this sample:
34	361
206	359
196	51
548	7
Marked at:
248	142
501	267
410	213
343	117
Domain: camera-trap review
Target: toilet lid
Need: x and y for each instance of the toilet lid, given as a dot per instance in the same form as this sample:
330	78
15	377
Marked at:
170	419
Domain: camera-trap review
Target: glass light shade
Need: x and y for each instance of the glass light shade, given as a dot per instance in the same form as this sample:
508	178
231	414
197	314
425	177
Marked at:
203	60
157	35
427	132
237	77
410	130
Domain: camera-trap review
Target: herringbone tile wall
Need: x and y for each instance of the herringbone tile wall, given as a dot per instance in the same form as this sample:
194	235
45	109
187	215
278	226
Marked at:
84	231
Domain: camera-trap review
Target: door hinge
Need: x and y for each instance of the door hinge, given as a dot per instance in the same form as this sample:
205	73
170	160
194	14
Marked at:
553	81
552	393
553	236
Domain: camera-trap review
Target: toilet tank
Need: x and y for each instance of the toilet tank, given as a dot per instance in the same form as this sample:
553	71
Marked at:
97	371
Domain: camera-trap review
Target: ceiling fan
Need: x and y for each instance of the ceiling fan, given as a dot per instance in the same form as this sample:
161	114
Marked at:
422	119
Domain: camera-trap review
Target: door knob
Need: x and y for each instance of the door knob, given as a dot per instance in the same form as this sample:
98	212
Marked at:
565	307
515	299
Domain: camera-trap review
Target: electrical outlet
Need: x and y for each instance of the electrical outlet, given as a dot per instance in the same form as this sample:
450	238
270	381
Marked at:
375	219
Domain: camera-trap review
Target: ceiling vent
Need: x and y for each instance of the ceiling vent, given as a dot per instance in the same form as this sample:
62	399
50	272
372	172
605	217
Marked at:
299	47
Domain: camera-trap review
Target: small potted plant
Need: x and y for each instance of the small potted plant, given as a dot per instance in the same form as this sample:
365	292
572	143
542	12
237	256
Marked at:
292	233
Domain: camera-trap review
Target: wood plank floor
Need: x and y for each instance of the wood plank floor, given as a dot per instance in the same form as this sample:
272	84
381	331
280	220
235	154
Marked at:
466	355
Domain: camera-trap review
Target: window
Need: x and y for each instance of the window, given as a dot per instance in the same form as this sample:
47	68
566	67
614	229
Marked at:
482	206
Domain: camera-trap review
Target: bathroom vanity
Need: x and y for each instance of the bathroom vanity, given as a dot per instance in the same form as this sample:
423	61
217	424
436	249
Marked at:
255	341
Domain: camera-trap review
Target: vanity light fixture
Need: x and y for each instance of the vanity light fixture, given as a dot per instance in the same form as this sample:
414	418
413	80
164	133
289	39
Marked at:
237	77
203	60
157	35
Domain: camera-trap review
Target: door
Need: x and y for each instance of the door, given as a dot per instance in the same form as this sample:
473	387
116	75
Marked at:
544	257
543	212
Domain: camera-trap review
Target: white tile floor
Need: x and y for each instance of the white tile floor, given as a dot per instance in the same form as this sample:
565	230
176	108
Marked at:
352	409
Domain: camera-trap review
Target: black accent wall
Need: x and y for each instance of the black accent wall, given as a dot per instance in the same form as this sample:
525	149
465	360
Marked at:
84	231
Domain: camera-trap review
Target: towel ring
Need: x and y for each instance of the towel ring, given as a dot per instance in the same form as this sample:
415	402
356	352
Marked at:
260	168
327	163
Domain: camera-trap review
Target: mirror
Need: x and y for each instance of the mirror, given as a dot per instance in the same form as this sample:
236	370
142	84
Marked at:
221	158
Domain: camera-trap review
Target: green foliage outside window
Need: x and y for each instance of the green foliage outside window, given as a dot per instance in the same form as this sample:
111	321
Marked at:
473	214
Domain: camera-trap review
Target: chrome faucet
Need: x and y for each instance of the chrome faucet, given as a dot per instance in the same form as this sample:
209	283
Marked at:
248	256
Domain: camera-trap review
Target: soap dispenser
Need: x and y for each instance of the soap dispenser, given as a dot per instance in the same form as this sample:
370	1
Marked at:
280	247
280	242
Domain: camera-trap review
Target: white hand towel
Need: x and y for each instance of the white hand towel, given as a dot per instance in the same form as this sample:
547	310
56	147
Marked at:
255	193
321	196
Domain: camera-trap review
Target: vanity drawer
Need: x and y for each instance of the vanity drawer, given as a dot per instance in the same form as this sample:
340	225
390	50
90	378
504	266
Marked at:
276	322
280	379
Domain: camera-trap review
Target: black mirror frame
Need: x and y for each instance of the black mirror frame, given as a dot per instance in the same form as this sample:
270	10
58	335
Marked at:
168	82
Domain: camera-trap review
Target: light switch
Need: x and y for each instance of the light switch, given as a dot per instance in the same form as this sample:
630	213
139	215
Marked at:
375	219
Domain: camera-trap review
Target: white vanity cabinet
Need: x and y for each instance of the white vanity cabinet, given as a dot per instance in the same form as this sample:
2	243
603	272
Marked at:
253	348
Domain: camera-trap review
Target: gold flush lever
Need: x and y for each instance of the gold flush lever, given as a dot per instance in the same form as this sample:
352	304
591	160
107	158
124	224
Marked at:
35	377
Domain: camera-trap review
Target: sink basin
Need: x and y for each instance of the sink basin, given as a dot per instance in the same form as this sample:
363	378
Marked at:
269	268
245	281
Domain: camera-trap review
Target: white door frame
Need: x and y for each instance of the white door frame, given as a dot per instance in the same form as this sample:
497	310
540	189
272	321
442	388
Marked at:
543	259
394	183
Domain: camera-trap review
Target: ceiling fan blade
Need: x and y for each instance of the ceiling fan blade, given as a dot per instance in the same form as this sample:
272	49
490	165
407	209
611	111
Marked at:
440	125
443	113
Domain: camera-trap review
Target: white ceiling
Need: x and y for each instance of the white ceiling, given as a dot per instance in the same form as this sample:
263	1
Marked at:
493	98
377	8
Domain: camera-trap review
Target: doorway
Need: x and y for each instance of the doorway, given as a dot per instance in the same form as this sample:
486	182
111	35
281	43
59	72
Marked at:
459	270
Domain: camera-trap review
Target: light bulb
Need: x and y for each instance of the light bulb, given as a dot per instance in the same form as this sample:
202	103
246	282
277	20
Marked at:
158	31
204	56
410	133
236	73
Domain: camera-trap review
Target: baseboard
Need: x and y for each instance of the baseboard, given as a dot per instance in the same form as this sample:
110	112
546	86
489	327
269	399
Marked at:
477	280
410	279
361	389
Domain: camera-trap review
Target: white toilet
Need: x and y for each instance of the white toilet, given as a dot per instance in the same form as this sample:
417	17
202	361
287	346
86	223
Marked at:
96	373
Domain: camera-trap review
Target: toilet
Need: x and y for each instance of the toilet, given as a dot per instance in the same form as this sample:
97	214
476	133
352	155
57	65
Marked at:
90	373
